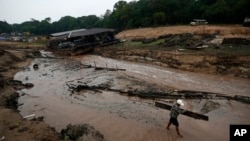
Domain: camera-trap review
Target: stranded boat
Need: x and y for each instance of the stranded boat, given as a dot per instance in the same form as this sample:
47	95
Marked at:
82	40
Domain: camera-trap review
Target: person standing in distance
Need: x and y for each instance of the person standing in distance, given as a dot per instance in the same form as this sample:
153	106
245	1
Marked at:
175	111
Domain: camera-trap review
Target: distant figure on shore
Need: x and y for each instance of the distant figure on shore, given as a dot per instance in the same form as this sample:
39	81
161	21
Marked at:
175	111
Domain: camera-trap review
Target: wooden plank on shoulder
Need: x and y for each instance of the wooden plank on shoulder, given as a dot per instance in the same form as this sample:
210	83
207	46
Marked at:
164	105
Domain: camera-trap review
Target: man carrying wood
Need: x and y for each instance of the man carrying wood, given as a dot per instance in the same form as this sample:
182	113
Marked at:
175	111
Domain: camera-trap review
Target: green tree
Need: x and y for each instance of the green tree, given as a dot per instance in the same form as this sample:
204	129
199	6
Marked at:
159	18
44	27
241	10
142	13
106	19
120	16
65	23
219	12
4	27
30	26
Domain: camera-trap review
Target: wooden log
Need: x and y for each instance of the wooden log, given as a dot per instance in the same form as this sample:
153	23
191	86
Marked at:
86	87
109	69
187	113
245	99
177	95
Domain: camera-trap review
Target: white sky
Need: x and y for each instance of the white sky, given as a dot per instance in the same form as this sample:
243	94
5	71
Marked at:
18	11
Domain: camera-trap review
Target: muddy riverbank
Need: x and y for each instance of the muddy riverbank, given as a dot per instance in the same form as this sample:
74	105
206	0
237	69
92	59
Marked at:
122	117
196	61
12	125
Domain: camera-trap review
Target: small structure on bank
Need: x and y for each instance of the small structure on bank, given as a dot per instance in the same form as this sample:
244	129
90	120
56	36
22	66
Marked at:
82	39
247	21
199	22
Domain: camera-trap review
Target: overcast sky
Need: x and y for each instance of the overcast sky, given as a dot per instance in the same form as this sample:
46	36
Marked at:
18	11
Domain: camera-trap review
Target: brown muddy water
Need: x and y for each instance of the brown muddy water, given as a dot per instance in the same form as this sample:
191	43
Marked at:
124	118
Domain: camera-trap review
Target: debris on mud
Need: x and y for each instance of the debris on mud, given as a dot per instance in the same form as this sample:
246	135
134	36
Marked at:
83	132
2	83
12	101
236	41
19	84
35	66
188	40
36	53
8	58
150	92
245	99
41	118
1	52
131	86
109	69
229	63
209	106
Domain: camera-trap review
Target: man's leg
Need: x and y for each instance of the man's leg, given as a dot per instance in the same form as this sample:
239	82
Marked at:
177	130
169	123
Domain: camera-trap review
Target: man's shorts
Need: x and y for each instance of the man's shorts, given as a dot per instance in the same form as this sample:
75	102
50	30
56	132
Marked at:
174	121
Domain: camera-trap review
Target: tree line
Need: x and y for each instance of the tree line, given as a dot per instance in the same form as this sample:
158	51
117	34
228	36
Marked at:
142	13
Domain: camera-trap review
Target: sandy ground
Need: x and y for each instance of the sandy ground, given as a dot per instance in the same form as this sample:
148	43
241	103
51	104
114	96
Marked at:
225	31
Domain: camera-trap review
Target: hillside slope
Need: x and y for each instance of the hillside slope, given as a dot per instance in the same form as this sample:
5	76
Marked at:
224	30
